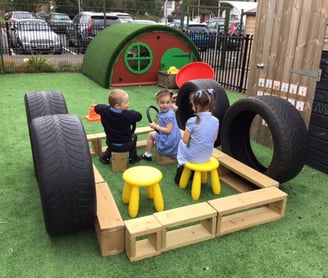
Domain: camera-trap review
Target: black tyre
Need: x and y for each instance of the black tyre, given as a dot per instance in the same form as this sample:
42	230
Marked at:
65	173
185	109
43	103
288	131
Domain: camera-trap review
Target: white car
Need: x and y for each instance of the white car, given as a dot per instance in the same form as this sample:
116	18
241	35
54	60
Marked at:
34	36
124	17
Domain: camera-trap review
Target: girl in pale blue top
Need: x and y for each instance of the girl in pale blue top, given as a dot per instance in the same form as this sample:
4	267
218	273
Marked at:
166	133
200	133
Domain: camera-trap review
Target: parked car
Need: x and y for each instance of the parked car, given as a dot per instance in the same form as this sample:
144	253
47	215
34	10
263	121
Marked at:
218	24
143	21
124	17
169	19
59	22
85	26
34	36
199	34
13	16
229	39
42	15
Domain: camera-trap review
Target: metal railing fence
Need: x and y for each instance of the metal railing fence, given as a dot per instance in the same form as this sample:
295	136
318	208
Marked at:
228	55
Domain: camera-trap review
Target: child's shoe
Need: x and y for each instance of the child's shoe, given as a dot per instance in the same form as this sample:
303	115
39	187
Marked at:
134	160
104	160
148	158
178	174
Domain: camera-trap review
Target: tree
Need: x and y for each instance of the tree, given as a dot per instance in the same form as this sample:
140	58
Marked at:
143	7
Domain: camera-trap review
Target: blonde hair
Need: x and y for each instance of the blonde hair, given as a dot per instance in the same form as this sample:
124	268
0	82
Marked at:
203	100
115	97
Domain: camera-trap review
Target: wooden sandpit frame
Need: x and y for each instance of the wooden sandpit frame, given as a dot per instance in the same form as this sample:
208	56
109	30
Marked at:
259	200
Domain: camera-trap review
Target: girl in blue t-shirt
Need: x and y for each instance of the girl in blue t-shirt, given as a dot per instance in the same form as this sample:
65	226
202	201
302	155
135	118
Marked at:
200	133
166	134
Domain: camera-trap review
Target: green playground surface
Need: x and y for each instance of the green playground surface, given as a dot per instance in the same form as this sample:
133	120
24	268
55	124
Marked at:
296	246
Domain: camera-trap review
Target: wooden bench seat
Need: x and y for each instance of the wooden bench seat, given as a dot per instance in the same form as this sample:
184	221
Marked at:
187	225
249	209
109	224
96	140
142	238
239	176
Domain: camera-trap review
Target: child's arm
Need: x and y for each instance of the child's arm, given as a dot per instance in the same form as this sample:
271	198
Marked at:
174	107
186	137
167	129
134	116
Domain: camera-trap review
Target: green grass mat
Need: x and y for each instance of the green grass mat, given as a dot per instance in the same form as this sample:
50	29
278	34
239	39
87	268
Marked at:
296	246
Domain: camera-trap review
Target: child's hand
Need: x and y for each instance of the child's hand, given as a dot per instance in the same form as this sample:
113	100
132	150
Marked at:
152	125
174	107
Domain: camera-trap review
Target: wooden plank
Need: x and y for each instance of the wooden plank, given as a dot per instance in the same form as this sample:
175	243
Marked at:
92	139
142	225
243	170
247	200
96	140
164	160
142	237
183	215
141	143
187	225
108	215
109	225
239	221
138	131
249	209
97	176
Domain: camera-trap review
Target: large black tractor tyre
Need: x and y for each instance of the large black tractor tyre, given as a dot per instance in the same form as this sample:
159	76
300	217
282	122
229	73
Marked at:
185	108
65	173
288	131
43	103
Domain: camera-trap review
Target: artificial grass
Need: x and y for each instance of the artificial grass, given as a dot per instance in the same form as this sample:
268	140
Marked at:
295	246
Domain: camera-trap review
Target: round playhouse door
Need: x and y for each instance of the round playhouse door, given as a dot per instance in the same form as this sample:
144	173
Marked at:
175	57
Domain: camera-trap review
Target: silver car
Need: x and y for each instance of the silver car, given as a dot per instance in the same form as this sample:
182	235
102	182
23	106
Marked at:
34	36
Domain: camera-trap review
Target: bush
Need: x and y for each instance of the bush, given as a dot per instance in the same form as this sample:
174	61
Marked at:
39	64
67	67
36	64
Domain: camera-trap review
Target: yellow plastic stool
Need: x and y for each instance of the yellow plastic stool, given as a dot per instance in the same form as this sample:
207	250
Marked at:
142	176
200	176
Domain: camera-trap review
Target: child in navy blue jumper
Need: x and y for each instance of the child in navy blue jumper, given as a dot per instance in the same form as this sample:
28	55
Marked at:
119	124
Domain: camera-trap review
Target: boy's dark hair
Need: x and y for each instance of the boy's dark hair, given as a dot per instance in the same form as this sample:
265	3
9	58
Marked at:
205	98
115	97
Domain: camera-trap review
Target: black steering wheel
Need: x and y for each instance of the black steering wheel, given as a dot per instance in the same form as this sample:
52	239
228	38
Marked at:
152	114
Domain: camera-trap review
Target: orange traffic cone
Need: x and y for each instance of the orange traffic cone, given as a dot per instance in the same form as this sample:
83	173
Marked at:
93	116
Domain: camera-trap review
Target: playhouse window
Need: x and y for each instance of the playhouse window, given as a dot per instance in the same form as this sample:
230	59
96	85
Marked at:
138	58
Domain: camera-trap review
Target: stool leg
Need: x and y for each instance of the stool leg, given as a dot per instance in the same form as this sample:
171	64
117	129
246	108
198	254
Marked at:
196	185
134	201
158	198
184	177
204	177
150	192
215	181
126	193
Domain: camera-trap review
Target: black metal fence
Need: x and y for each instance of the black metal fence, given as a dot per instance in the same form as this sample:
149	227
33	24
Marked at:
230	61
228	55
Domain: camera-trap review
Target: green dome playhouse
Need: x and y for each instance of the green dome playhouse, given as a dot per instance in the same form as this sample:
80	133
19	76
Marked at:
132	54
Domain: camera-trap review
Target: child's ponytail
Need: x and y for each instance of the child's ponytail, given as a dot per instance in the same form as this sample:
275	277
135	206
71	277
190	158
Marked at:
204	99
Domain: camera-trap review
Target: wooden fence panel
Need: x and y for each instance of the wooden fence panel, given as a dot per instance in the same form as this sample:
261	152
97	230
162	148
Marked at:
285	61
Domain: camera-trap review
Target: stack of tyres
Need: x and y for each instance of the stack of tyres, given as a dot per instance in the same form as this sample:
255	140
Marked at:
62	163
